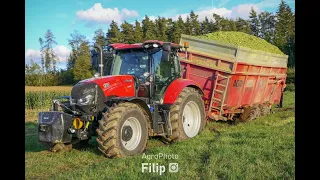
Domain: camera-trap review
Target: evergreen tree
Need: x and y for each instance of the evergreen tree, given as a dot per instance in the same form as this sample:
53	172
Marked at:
243	26
231	25
187	26
169	29
254	23
174	31
127	33
180	24
82	66
138	34
267	22
285	31
216	26
75	40
99	38
194	24
161	28
285	25
205	26
148	29
211	26
114	34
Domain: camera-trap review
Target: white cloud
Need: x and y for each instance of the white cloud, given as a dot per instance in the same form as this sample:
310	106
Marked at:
243	10
35	54
61	51
98	14
220	11
206	12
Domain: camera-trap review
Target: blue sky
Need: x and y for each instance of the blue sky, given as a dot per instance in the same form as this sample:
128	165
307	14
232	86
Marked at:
86	16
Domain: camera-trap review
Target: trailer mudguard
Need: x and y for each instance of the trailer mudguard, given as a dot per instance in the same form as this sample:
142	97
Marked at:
175	87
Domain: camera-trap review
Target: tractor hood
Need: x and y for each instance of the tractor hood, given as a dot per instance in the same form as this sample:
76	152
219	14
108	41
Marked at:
116	85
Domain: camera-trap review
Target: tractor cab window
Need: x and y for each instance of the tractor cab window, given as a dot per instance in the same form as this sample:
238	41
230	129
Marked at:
163	71
131	61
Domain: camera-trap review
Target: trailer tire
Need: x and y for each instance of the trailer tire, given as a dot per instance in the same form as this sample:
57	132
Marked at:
186	96
250	113
264	109
123	131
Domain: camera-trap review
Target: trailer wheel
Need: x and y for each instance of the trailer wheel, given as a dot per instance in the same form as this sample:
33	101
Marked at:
264	109
123	131
250	113
187	115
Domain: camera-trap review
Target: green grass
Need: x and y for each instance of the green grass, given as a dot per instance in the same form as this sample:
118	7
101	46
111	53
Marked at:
260	149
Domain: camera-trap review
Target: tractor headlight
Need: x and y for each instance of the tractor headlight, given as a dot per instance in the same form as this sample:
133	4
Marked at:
86	100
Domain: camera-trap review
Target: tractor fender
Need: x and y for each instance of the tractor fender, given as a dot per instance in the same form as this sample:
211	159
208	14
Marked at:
140	103
132	99
175	87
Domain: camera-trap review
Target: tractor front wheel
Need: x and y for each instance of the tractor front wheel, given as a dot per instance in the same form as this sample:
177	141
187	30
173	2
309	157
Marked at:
123	131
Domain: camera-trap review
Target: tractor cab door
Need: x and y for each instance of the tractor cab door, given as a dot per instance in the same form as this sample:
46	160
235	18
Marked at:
165	71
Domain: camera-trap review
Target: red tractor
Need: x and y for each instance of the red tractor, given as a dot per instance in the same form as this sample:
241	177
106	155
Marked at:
142	95
160	89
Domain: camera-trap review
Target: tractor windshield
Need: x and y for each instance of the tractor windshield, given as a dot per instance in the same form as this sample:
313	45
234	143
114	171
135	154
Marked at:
131	61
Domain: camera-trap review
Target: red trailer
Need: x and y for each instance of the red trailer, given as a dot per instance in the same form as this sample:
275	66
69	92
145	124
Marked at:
233	79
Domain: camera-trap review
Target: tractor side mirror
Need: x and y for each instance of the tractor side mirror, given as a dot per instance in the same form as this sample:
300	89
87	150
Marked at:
166	50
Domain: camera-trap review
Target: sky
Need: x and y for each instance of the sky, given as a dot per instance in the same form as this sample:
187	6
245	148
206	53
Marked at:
62	17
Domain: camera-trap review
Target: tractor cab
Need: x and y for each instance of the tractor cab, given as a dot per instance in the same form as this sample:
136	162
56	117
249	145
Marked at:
153	64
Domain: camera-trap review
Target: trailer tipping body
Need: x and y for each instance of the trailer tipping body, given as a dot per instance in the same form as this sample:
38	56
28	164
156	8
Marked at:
232	77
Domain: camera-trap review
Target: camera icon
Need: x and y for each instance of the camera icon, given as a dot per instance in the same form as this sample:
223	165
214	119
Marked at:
173	167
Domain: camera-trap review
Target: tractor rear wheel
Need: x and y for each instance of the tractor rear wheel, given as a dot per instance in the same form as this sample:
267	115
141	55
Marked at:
123	131
187	115
250	113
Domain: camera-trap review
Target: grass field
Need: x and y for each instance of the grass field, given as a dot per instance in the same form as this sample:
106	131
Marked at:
260	149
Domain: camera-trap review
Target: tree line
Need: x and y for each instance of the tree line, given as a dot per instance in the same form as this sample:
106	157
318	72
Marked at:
276	28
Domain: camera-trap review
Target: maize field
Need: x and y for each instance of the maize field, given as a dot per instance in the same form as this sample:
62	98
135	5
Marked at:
41	97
